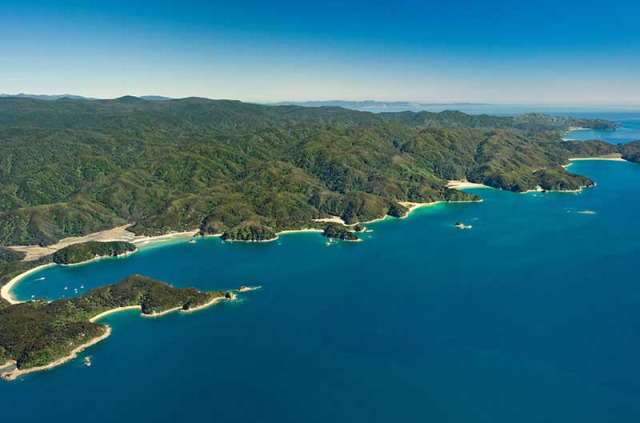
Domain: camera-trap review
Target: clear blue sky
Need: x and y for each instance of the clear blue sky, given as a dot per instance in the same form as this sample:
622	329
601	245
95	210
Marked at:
535	51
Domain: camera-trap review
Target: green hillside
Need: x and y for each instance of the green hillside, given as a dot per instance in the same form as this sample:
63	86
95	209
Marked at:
72	167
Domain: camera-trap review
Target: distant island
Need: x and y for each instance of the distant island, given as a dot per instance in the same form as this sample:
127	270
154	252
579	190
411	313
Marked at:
250	171
38	335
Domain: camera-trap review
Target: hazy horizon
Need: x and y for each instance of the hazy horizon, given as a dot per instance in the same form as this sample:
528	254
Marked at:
607	105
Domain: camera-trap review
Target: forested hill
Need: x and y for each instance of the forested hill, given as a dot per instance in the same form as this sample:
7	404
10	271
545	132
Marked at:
227	114
70	167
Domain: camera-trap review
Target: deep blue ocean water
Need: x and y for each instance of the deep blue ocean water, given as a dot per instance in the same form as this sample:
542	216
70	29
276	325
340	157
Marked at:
532	315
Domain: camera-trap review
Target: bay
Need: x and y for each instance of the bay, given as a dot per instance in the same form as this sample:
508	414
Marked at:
531	315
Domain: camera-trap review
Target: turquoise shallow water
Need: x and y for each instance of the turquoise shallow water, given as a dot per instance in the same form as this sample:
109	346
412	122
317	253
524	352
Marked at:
530	316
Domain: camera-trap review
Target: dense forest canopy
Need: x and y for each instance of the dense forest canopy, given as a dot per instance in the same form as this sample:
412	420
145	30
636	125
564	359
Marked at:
85	251
71	167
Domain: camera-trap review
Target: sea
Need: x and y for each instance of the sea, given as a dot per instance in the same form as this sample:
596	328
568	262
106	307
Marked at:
532	314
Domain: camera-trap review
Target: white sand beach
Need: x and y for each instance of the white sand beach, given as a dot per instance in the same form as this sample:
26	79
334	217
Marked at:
5	291
112	311
613	158
464	184
34	252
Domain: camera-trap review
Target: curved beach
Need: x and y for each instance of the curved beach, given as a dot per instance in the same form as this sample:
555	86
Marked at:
5	291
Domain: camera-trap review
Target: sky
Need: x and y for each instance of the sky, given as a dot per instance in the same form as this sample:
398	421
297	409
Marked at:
535	51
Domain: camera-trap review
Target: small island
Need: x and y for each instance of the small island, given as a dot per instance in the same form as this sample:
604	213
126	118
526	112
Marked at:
462	225
337	231
39	335
244	288
87	251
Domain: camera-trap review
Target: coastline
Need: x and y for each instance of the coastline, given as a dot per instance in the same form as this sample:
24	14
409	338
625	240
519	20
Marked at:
99	258
34	252
616	158
112	311
465	184
293	231
5	291
210	303
143	241
415	206
612	159
162	313
570	130
13	374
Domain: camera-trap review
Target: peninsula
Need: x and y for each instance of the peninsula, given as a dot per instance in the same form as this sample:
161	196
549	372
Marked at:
39	335
87	251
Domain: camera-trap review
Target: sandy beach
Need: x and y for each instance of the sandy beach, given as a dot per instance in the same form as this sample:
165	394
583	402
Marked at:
142	240
5	291
613	158
34	252
162	313
13	374
332	219
465	184
293	231
112	311
415	206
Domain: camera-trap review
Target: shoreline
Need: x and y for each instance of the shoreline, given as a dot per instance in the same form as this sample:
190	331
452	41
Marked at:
293	231
34	252
96	258
465	184
112	311
5	291
612	159
144	241
602	158
571	129
13	374
210	303
415	206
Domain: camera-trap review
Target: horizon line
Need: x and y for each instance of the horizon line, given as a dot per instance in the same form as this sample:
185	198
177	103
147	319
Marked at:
621	104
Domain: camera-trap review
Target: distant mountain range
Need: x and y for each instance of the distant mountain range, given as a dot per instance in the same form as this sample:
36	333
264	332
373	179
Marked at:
77	97
474	108
374	106
382	106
